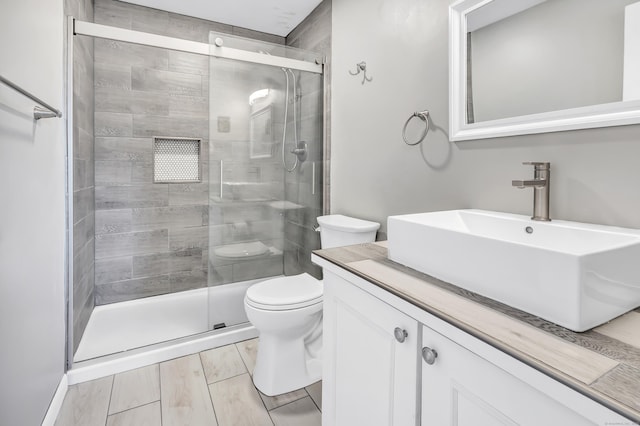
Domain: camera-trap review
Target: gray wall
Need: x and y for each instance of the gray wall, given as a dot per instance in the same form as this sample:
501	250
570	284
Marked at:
560	54
32	217
83	280
314	34
374	174
153	238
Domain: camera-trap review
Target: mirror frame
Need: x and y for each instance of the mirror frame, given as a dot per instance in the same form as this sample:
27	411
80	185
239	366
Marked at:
603	115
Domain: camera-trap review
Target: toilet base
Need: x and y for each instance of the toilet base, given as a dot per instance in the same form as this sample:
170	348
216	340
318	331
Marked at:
283	365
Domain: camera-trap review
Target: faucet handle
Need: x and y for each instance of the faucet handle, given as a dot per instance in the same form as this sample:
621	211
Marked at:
538	165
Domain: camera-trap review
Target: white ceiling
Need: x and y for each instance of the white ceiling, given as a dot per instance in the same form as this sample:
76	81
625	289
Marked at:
277	17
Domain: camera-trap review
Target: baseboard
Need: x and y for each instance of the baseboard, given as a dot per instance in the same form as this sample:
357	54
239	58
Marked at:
56	402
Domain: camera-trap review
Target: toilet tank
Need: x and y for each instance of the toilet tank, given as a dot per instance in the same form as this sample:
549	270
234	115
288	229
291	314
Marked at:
337	230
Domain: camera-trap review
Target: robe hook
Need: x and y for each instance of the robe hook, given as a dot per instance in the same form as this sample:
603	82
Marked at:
361	67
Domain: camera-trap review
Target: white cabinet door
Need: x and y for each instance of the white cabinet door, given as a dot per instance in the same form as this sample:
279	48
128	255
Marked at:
370	377
463	389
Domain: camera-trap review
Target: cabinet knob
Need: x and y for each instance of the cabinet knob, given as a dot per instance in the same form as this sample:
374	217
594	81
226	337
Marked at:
429	355
400	334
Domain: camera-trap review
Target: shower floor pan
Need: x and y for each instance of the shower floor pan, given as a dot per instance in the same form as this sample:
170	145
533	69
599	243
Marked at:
123	326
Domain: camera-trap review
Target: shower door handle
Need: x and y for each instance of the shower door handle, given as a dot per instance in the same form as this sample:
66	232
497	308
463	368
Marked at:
221	176
313	178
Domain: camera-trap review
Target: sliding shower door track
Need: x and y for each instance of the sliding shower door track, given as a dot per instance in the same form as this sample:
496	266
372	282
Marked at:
154	40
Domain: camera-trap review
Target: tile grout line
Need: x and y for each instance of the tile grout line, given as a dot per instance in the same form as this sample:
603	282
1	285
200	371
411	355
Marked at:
160	391
213	406
312	399
133	408
264	404
254	386
246	367
106	417
226	378
295	400
270	418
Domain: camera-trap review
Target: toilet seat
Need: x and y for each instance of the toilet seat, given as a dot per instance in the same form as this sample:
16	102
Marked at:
285	293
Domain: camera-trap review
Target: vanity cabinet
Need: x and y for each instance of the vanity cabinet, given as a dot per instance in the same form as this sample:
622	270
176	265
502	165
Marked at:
389	362
371	373
463	389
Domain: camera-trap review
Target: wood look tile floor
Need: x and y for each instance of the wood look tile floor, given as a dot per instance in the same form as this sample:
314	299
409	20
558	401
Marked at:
213	387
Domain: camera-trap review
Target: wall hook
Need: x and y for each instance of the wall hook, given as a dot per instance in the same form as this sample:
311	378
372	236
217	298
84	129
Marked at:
361	67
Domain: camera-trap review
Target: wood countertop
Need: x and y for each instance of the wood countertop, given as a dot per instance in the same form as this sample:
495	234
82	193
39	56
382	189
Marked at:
602	363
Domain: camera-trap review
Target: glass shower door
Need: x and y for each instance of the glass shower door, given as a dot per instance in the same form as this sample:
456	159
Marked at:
253	108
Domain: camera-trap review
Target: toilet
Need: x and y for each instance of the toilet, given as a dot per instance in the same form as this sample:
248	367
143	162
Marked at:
287	312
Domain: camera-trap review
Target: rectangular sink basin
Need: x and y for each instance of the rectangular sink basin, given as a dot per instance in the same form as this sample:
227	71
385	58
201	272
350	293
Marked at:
573	274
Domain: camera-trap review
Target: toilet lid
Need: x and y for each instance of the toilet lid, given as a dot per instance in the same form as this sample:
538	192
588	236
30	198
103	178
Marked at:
283	293
343	223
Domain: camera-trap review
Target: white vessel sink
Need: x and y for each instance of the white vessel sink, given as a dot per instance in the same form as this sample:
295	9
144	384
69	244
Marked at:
573	274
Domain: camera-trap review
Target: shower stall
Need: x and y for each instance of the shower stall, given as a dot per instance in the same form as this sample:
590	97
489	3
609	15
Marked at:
197	173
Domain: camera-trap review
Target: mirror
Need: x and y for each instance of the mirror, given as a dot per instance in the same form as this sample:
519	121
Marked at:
534	66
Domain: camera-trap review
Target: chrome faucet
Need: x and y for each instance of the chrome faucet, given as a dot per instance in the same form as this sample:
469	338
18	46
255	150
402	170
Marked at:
540	184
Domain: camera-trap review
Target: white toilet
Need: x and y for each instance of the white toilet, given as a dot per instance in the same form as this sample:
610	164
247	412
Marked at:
287	312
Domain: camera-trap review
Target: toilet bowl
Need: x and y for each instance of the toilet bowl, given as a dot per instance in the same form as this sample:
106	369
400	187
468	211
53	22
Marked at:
287	312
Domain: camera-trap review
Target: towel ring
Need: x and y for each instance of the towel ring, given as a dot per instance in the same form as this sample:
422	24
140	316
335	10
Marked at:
424	116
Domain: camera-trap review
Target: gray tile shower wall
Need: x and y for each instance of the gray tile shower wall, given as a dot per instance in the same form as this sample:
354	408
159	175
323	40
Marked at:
314	34
153	239
83	173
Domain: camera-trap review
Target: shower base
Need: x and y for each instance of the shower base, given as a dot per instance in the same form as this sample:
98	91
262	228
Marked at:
125	326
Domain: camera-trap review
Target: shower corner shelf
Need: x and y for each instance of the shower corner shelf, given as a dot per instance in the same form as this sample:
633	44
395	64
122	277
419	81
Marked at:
282	205
229	201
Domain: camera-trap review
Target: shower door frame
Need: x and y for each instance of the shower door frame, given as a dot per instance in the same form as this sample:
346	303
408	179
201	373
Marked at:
154	40
83	28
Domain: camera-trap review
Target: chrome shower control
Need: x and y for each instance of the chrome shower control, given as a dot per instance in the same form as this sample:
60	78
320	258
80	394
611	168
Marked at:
400	334
429	355
301	150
